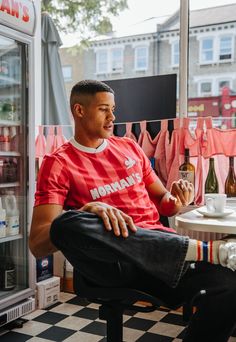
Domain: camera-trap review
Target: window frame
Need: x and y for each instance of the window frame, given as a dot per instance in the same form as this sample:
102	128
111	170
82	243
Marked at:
119	70
136	48
67	79
205	94
109	60
201	40
223	79
232	48
173	53
98	53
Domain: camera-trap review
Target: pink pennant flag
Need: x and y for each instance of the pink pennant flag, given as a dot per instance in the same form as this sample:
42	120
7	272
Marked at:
59	138
40	143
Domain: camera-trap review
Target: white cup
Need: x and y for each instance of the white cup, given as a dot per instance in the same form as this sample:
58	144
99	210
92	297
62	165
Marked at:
215	203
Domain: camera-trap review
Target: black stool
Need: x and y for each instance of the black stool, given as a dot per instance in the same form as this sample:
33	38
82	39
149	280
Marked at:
115	300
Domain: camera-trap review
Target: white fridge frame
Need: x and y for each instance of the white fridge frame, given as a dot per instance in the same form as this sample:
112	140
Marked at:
22	295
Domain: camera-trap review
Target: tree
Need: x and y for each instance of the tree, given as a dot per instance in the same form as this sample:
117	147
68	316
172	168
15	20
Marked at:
89	17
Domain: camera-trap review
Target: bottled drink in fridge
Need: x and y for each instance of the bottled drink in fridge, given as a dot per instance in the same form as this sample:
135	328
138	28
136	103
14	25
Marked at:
211	184
7	268
230	182
4	139
12	213
9	170
2	220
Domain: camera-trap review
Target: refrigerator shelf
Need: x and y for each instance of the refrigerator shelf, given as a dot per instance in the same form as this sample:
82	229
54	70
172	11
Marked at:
11	238
8	123
15	290
9	185
9	154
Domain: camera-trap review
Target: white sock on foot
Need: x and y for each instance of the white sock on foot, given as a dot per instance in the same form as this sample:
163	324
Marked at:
216	252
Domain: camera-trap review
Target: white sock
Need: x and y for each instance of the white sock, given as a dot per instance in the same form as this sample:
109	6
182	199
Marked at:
204	251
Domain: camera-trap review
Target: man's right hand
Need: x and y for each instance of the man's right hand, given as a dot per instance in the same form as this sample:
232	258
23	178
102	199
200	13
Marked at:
113	218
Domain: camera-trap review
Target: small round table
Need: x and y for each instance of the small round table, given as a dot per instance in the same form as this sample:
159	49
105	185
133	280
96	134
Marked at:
193	220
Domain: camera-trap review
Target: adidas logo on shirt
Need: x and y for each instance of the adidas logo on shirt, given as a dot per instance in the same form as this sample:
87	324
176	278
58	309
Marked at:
129	162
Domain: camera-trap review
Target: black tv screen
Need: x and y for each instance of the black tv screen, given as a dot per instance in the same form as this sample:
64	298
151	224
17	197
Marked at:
144	98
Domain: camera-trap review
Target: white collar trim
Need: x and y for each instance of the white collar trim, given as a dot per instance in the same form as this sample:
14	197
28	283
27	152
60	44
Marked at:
88	149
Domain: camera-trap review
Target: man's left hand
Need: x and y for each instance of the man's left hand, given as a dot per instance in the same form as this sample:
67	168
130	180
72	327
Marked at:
183	191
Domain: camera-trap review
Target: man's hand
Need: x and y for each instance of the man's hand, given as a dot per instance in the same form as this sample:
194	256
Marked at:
113	219
183	191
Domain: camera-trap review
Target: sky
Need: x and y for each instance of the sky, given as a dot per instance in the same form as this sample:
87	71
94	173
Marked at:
143	9
140	10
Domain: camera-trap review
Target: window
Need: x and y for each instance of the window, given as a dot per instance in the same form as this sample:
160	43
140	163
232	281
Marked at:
223	83
225	49
205	88
141	58
109	61
116	60
175	53
67	73
102	62
206	50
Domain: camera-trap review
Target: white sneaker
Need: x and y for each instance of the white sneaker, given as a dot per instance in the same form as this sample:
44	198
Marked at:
227	254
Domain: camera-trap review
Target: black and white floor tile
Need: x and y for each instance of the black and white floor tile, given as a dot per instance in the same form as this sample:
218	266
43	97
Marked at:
73	319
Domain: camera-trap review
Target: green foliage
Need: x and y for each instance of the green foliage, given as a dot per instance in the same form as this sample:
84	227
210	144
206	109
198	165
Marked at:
89	17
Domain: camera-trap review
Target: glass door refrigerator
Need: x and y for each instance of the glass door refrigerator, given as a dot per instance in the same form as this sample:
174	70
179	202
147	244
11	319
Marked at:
16	159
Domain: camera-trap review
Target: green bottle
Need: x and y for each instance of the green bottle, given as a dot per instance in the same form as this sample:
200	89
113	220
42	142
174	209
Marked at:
211	184
230	182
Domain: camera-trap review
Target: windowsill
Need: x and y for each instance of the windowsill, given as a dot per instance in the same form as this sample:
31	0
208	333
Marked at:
138	70
207	63
120	71
109	73
224	61
205	95
102	73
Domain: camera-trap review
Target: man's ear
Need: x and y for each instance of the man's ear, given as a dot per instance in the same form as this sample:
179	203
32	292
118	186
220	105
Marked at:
78	110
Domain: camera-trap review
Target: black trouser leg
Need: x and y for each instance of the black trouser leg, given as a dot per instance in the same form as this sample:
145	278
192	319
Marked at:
215	318
85	242
141	267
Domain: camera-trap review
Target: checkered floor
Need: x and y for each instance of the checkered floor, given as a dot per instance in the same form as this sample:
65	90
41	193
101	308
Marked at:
73	319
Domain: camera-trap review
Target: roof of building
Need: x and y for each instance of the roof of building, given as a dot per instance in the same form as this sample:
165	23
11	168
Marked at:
200	17
206	17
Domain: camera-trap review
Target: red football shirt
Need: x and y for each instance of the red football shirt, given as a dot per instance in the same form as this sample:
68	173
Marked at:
117	173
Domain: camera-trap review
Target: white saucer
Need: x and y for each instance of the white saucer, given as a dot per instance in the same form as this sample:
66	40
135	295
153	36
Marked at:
204	212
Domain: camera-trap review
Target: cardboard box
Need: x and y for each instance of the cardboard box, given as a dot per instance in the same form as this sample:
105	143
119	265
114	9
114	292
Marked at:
48	292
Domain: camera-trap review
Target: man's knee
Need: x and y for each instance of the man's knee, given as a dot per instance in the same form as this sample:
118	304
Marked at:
73	223
56	230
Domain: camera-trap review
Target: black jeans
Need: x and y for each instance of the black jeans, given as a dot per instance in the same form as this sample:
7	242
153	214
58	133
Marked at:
152	261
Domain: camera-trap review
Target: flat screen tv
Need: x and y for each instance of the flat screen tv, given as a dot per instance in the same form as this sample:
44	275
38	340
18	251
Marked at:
144	98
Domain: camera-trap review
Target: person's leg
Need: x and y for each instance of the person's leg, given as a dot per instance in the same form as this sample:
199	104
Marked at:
138	261
215	317
83	240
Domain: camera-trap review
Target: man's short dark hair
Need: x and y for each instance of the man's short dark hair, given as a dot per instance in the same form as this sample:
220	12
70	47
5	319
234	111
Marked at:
87	87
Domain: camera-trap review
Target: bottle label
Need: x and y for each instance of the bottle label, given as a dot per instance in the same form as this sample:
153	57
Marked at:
2	224
13	225
2	228
10	279
187	175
